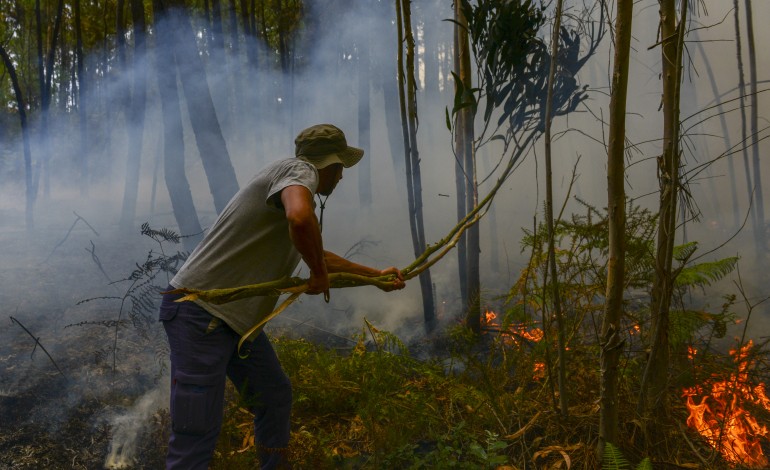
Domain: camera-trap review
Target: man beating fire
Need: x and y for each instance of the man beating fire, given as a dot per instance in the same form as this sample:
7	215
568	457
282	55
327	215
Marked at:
260	236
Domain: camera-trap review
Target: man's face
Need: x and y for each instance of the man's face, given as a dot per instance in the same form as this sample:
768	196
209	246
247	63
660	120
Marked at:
328	178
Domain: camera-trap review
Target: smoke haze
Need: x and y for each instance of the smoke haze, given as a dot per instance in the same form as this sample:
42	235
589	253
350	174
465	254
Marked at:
77	250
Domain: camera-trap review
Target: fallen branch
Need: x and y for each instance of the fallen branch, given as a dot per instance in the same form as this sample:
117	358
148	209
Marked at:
38	343
77	217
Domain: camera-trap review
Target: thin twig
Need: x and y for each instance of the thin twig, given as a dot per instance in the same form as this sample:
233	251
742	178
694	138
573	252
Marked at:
77	218
38	343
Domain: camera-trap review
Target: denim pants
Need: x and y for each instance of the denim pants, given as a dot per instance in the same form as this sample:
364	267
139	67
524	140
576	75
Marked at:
203	353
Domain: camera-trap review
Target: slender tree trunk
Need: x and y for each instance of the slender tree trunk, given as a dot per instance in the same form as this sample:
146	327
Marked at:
562	371
220	173
759	220
655	381
611	342
364	123
460	171
465	153
136	111
83	101
742	93
45	95
728	145
173	136
21	106
414	181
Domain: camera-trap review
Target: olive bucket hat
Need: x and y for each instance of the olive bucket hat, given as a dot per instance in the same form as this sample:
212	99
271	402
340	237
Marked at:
325	144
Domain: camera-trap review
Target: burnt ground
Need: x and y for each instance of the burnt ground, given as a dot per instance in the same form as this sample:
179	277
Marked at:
69	410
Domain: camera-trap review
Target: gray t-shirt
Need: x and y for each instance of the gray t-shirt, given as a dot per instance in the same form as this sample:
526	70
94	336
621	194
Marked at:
248	244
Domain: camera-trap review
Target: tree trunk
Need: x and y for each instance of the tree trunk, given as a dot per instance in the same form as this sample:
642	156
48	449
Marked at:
759	219
611	342
83	100
220	173
135	118
465	152
562	371
412	158
655	381
460	172
735	206
364	123
21	106
173	138
742	93
46	78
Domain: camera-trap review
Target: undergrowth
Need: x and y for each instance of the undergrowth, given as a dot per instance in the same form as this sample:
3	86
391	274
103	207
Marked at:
489	401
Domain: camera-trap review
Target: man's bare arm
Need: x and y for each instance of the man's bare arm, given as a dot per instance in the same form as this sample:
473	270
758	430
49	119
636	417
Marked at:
306	235
338	264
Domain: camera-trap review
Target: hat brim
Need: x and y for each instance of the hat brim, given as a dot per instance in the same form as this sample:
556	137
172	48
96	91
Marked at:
348	157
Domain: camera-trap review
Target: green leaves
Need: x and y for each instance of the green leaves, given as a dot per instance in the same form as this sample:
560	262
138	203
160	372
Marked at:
704	274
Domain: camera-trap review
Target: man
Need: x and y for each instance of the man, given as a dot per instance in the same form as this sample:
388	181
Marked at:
260	236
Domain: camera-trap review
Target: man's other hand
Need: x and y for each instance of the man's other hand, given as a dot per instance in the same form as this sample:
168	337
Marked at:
318	283
398	281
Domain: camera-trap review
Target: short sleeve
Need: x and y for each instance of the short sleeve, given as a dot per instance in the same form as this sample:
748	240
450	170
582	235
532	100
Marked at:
293	172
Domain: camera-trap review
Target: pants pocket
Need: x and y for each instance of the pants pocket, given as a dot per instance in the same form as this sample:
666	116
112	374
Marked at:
194	403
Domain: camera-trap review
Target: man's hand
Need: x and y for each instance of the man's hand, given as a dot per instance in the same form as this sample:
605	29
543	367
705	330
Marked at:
398	282
318	283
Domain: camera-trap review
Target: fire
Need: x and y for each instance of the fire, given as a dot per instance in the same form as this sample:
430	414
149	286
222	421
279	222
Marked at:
720	416
513	335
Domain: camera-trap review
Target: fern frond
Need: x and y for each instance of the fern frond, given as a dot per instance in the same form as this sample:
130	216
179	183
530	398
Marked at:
683	252
613	459
645	464
703	274
164	234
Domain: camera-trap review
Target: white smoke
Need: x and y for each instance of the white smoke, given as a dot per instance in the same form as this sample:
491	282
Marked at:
128	426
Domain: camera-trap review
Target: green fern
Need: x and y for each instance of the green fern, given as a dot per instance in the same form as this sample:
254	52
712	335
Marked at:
703	274
614	460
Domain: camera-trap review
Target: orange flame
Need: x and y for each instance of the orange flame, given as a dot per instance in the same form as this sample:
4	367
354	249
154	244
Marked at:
513	336
721	418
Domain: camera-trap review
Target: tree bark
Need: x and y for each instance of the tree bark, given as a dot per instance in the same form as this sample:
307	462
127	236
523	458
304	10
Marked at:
465	152
135	118
364	123
562	371
655	381
411	154
759	219
46	77
742	94
460	171
83	101
220	173
173	136
21	106
611	343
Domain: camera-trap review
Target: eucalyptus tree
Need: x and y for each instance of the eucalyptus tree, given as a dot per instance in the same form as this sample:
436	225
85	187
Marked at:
510	91
21	107
45	79
135	114
408	107
466	183
177	184
758	200
611	341
212	147
672	33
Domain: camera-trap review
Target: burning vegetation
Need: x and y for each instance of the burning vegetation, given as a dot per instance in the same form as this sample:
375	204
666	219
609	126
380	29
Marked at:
731	413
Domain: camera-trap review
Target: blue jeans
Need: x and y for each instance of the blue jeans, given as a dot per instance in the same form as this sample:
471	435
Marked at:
203	353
